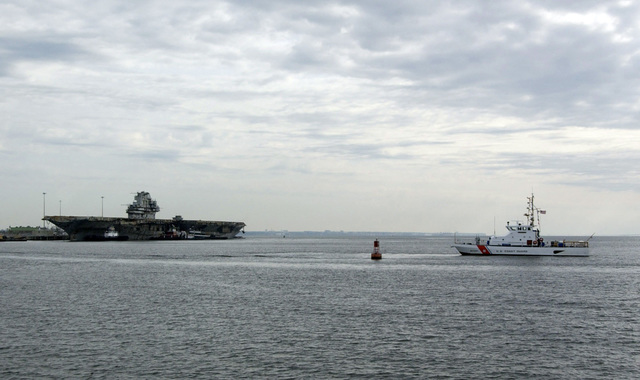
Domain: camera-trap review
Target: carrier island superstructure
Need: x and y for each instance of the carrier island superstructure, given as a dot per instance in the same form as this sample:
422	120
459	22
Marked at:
141	224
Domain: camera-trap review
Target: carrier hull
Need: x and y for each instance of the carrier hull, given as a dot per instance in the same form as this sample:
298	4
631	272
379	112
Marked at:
83	228
141	224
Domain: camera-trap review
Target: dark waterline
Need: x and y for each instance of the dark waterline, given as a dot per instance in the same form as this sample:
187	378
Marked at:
316	308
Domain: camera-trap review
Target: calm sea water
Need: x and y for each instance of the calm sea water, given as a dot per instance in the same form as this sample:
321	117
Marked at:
265	307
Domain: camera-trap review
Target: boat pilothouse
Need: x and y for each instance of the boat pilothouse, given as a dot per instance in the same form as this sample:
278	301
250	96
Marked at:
519	235
524	239
522	234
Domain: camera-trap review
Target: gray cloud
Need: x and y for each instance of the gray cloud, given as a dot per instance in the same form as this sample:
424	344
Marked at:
235	94
42	49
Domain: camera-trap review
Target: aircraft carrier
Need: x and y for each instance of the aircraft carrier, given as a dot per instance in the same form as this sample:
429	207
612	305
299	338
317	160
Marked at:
141	224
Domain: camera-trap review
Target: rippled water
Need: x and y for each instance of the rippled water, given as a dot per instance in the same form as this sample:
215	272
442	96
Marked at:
316	308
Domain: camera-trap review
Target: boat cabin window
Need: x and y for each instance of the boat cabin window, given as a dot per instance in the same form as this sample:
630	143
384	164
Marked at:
519	228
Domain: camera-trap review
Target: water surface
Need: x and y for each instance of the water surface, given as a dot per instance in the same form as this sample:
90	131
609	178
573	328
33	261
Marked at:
265	307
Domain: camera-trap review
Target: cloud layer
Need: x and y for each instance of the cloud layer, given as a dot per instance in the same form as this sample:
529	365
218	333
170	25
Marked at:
403	116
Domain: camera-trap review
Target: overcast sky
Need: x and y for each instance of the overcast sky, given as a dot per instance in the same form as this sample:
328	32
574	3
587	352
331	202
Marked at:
422	116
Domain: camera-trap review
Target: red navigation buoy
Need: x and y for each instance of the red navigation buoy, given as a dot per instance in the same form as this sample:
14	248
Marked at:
376	255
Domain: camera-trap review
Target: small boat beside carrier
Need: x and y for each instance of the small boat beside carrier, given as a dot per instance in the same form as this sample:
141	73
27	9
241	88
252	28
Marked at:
524	240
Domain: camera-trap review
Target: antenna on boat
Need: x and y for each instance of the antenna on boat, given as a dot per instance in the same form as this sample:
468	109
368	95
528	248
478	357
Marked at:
591	236
530	211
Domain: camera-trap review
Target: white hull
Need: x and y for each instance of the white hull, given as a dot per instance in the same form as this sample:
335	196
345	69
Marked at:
477	249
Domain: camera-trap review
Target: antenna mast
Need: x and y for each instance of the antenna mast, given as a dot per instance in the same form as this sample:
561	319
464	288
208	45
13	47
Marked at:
530	211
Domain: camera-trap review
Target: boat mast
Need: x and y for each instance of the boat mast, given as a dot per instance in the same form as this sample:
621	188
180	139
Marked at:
533	213
529	214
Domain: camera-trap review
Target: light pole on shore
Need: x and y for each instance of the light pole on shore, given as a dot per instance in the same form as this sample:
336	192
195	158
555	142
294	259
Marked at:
102	203
44	208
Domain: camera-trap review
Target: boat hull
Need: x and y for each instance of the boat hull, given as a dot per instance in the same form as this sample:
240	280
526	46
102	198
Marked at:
93	228
480	250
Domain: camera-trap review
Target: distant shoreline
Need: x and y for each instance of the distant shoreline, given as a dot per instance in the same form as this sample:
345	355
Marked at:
358	233
331	233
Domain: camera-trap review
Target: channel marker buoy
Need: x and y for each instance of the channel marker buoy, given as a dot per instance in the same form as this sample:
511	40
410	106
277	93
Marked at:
376	255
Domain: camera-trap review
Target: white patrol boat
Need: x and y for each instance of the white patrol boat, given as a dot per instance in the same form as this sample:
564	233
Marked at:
524	240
